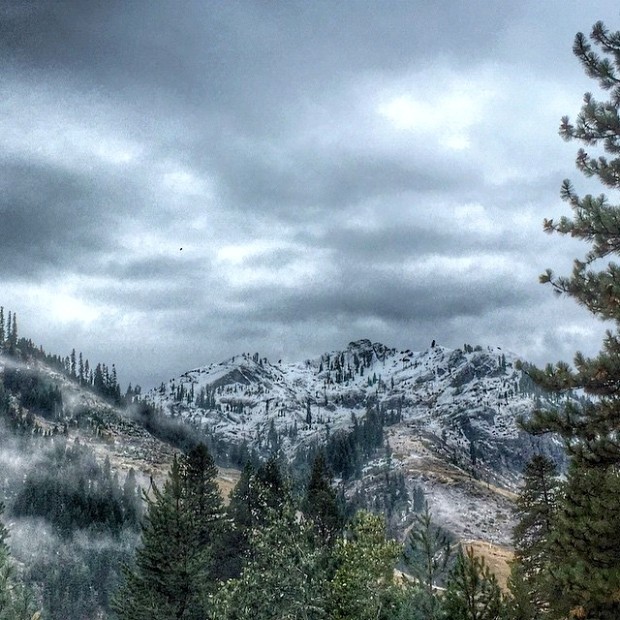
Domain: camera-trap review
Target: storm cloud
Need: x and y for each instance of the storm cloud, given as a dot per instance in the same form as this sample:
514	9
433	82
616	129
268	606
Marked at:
181	182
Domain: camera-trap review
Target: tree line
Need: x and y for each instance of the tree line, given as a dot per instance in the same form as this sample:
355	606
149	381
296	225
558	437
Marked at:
270	554
101	378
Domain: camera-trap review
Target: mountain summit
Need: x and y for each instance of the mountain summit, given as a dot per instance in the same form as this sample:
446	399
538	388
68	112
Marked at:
454	408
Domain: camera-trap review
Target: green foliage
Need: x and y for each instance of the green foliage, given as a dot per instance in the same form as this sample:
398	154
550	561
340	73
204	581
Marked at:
587	547
175	565
585	576
427	555
472	592
257	497
533	535
321	506
285	576
363	586
522	603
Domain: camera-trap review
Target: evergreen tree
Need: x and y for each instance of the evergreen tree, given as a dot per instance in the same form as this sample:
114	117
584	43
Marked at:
203	498
16	601
284	578
273	489
590	572
586	567
174	569
257	497
98	379
520	604
241	515
11	334
427	554
73	364
81	369
320	505
472	592
2	332
537	508
8	328
363	586
130	498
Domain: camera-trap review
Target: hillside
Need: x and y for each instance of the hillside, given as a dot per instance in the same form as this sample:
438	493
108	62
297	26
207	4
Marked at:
448	417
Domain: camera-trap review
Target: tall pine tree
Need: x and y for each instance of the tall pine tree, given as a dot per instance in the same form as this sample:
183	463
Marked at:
590	569
533	535
2	331
175	566
320	505
427	555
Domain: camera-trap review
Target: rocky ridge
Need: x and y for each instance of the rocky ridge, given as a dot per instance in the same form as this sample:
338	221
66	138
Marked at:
451	418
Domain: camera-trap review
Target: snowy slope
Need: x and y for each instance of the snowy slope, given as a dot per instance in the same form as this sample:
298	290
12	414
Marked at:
462	403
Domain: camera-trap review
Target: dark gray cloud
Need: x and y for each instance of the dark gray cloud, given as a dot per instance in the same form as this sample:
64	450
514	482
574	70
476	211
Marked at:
316	182
393	300
51	218
213	177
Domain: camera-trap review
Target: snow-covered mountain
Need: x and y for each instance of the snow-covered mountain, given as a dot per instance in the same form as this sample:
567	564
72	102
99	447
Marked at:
443	410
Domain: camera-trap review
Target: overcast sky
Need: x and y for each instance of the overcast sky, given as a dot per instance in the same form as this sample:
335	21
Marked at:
184	181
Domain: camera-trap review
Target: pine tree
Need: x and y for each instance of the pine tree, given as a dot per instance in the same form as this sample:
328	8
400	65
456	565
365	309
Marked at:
98	379
130	497
257	497
273	489
427	554
586	567
2	332
320	505
590	429
537	509
472	592
285	576
16	601
73	364
174	568
363	586
520	604
81	369
11	334
241	514
203	497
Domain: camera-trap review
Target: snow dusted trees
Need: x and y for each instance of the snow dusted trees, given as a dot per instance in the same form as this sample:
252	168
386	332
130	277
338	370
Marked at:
16	601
